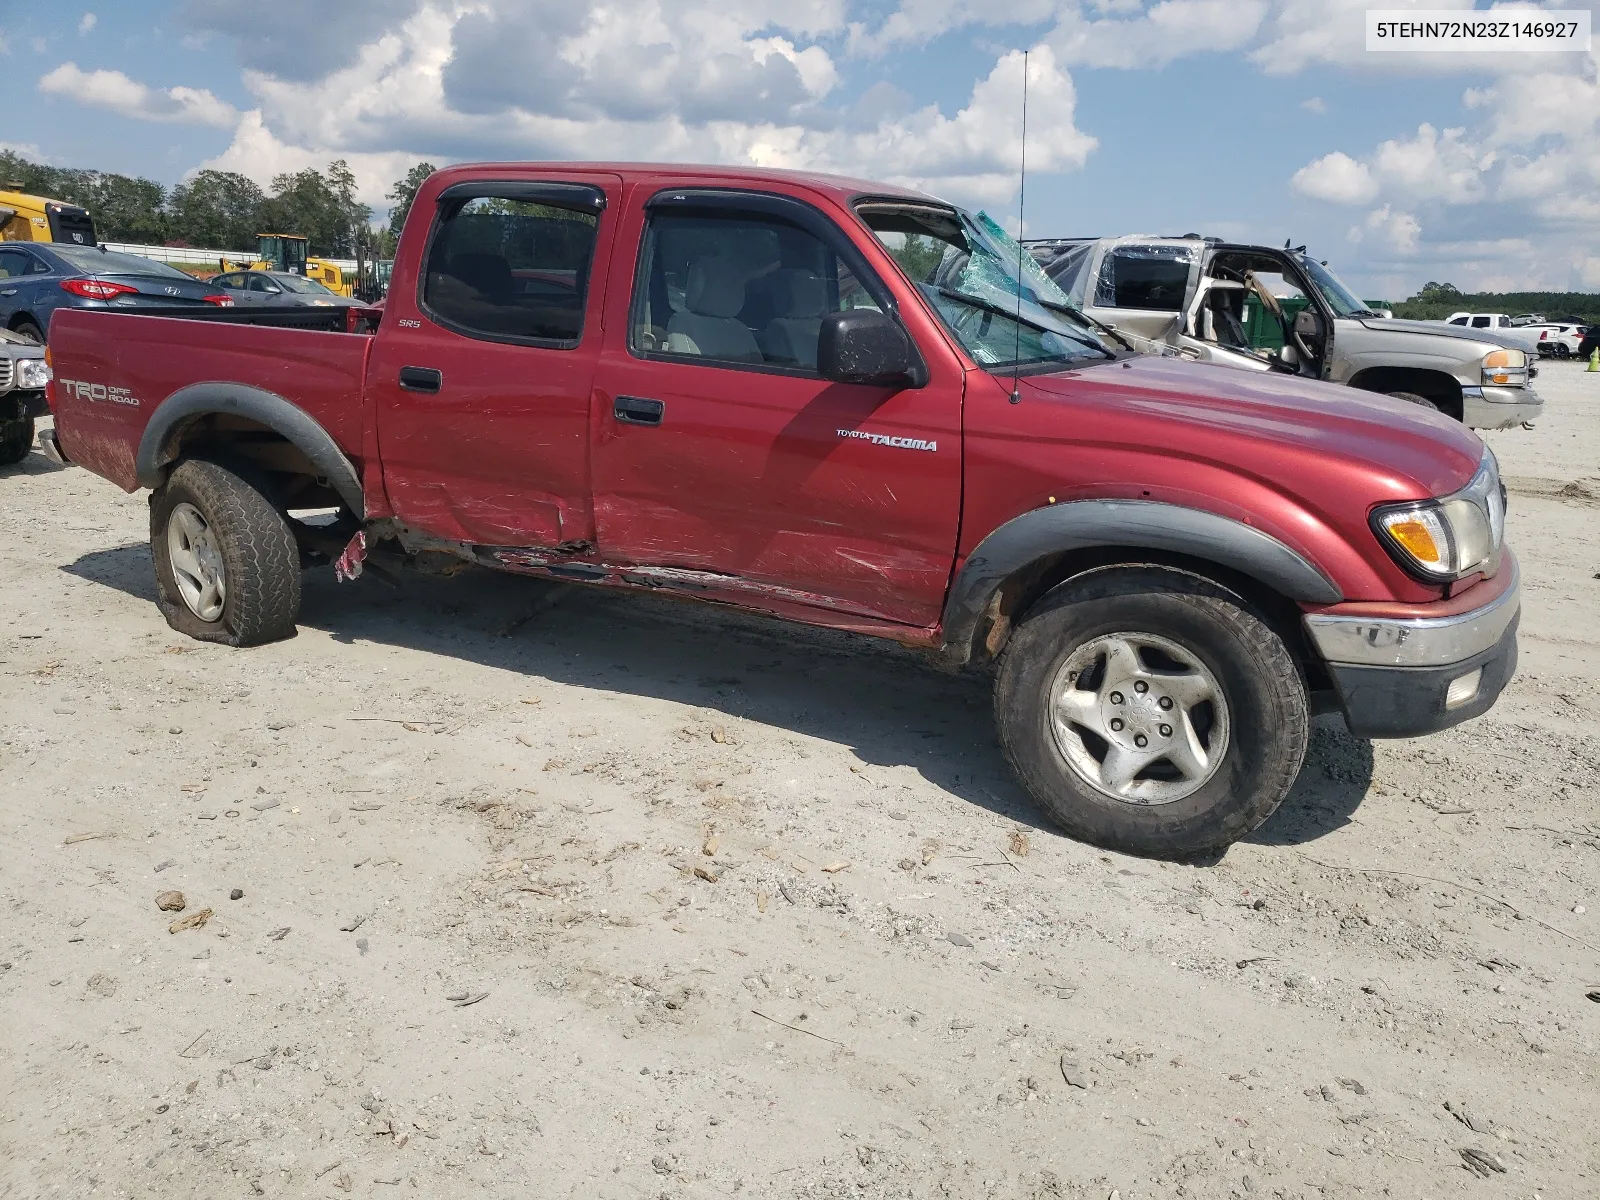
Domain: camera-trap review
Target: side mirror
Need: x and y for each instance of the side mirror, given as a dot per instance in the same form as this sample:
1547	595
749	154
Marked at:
274	289
1308	323
868	347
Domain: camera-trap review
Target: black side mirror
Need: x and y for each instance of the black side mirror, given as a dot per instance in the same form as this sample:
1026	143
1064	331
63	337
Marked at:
866	346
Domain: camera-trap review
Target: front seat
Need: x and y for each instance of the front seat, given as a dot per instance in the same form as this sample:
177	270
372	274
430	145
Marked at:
801	299
1224	327
709	324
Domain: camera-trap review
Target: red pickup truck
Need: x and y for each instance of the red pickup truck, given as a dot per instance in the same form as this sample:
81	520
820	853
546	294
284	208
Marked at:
843	404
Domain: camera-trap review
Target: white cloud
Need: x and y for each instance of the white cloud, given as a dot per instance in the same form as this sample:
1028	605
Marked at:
1163	33
1336	178
115	91
1394	232
699	80
1315	104
87	22
1433	166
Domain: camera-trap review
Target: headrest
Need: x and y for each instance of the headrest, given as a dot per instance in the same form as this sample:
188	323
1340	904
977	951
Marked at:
715	289
799	293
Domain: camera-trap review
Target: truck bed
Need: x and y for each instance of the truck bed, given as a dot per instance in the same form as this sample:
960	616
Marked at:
124	365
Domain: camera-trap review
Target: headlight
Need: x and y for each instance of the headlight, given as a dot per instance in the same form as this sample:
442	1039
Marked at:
1508	368
1444	539
32	374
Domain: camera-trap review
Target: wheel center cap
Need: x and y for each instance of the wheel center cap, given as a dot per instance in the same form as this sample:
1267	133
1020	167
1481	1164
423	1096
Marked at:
1136	718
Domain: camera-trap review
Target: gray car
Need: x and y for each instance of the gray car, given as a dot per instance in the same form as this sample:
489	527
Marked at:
1267	309
23	374
280	288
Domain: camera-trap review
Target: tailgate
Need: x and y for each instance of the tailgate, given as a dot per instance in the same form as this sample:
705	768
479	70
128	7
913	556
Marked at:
112	371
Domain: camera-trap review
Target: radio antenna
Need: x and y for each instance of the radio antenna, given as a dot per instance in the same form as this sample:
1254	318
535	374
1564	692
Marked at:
1022	199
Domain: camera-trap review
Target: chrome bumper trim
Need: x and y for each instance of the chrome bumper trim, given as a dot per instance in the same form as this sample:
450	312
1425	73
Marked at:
1418	641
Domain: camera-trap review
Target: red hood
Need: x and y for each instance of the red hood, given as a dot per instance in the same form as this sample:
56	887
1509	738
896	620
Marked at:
1294	433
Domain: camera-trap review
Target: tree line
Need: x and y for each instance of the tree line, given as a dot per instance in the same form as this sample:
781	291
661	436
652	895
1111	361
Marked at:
1436	301
222	209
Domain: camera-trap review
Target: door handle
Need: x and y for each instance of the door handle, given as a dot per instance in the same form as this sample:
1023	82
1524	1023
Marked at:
421	379
632	410
9	292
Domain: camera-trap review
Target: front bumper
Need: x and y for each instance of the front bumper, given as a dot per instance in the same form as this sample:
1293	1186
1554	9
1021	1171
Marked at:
1404	676
1499	407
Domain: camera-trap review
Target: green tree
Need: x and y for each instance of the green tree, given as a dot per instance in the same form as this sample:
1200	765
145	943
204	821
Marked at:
302	202
1438	293
355	217
218	209
403	193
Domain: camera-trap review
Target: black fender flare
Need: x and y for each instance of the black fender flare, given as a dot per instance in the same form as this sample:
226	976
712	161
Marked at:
1137	524
158	446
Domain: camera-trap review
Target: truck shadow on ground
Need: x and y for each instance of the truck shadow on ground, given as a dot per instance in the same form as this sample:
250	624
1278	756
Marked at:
891	706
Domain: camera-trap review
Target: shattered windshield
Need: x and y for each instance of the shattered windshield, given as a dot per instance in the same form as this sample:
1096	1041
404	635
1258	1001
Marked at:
1340	298
992	295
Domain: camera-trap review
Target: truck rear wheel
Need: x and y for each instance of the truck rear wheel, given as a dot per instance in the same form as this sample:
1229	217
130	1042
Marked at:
227	567
16	439
1151	712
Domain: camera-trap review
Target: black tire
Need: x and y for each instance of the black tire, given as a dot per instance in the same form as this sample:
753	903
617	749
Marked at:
260	560
1413	398
1562	351
29	330
1267	716
16	440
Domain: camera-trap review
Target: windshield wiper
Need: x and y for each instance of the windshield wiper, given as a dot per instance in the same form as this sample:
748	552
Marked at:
1011	314
1077	314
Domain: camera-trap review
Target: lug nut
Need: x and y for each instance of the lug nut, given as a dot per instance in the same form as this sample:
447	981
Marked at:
1164	703
1141	687
1140	740
1166	731
1116	725
1116	697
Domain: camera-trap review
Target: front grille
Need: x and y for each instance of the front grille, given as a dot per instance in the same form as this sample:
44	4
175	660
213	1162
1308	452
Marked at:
8	373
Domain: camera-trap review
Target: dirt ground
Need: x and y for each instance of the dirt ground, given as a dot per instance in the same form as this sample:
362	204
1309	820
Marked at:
551	893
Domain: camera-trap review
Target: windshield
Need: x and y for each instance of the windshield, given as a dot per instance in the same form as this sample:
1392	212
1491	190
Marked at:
992	295
301	286
109	262
1340	298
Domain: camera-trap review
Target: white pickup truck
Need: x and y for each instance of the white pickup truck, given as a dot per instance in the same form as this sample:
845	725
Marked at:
1268	309
23	374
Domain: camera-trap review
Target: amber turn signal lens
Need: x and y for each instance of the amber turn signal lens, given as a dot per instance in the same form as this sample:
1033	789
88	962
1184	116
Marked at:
1417	539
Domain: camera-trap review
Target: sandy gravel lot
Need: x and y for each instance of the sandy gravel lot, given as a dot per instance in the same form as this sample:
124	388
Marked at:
752	910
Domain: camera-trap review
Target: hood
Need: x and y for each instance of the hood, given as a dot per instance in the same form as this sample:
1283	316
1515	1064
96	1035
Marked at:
1315	440
14	345
1492	337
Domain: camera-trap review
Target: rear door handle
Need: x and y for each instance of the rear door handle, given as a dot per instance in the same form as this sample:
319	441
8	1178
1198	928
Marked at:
421	379
632	410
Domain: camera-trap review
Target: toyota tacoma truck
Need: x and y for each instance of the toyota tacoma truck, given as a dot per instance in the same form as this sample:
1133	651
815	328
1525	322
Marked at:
843	404
1282	311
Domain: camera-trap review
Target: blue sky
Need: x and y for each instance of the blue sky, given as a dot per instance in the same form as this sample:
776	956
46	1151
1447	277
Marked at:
1250	119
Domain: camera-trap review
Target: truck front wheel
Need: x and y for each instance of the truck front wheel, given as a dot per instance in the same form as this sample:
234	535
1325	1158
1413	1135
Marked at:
1151	712
227	567
16	439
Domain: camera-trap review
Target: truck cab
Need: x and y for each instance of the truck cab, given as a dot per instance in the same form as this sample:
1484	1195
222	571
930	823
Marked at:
1262	308
25	218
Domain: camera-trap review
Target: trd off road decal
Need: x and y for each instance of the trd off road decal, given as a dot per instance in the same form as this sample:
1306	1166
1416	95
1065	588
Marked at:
98	393
883	439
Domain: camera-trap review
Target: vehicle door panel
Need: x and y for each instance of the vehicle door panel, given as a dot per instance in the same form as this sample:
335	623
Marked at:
487	441
770	475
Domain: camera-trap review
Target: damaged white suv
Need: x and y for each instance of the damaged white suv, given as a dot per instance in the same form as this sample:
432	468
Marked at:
1266	309
23	374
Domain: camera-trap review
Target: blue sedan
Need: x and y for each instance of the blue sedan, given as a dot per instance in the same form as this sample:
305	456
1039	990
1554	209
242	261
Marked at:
36	278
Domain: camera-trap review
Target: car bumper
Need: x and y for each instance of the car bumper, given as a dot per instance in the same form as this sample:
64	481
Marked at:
1499	407
1413	674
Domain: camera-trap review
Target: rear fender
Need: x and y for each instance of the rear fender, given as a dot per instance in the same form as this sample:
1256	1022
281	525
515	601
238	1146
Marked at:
1084	525
163	436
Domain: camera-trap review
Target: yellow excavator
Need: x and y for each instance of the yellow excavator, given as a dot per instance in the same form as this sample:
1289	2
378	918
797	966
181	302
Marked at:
287	252
25	218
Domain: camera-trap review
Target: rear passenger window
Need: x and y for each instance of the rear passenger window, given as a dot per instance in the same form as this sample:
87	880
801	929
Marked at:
510	270
1153	278
1480	322
733	288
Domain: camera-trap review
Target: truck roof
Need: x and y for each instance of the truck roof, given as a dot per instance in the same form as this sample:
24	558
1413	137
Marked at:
841	187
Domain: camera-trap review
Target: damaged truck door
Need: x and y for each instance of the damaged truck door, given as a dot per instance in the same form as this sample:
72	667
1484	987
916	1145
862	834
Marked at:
483	405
